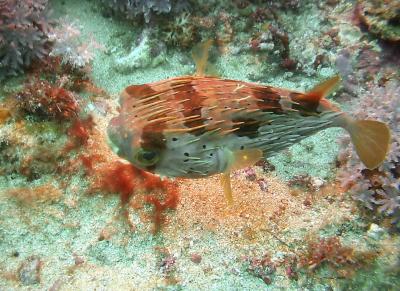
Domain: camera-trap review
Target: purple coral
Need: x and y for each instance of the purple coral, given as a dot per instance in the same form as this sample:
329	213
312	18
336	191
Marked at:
24	29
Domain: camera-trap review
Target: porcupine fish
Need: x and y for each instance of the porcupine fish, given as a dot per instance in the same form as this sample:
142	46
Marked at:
197	126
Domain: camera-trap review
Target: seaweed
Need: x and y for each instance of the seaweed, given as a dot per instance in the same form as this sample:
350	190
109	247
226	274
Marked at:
342	260
24	34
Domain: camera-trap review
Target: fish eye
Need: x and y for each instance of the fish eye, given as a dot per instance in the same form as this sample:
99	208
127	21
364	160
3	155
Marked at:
146	157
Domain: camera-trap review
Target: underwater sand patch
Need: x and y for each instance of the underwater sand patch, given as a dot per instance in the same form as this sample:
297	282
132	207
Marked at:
255	215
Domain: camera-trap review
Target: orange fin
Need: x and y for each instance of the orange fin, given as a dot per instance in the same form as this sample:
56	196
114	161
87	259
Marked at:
319	92
200	57
226	184
371	139
239	159
245	158
323	89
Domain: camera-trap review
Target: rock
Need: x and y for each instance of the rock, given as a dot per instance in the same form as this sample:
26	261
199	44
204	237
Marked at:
195	258
375	231
141	56
382	18
29	271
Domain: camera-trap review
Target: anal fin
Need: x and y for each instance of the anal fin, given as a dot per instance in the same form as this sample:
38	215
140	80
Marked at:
226	184
240	159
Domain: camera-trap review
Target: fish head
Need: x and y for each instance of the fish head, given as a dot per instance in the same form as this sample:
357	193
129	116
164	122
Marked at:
126	143
166	154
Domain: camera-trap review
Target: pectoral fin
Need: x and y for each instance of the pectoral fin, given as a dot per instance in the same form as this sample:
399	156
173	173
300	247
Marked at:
245	158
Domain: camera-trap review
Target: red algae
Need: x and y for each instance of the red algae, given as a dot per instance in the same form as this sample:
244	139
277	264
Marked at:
120	178
115	176
46	100
170	202
79	132
345	260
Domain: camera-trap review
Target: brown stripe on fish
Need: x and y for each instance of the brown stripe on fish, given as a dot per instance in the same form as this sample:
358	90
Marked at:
305	108
191	107
268	101
152	139
247	127
140	91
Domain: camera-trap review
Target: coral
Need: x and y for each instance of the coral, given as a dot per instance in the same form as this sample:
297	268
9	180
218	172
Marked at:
382	18
127	180
377	189
120	178
68	44
329	251
135	8
169	202
24	34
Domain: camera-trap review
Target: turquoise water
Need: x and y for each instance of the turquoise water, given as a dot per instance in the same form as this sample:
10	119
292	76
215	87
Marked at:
73	215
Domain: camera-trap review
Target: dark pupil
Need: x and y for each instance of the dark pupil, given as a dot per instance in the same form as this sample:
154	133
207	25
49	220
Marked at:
148	156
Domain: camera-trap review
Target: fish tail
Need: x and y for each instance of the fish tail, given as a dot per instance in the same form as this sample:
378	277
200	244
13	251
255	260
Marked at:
371	140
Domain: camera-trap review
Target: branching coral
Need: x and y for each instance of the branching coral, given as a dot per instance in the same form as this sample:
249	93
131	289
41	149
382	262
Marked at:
378	189
24	31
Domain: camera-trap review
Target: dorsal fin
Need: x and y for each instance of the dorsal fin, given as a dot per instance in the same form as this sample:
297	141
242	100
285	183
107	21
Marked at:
312	98
322	90
200	56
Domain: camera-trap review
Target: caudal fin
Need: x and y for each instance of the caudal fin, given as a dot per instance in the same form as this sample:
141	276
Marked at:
371	139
